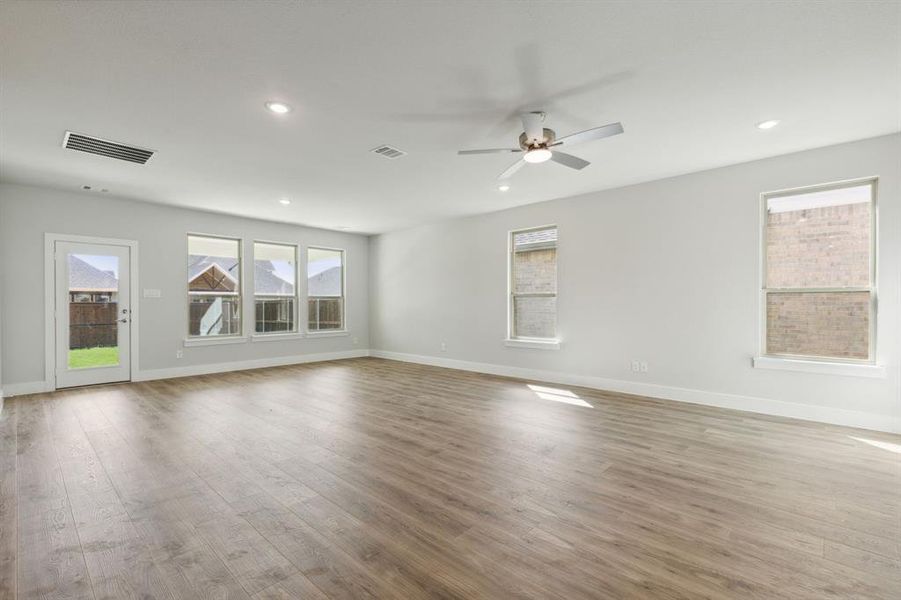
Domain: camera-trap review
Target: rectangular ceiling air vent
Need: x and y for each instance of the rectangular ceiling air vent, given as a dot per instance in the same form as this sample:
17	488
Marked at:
92	145
388	152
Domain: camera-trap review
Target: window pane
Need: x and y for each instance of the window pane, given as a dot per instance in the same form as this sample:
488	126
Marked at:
214	286
274	269
274	276
825	324
325	289
819	239
325	313
274	314
535	271
535	317
535	237
214	315
324	272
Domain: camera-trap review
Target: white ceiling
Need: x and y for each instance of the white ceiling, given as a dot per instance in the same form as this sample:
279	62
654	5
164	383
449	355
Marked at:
688	80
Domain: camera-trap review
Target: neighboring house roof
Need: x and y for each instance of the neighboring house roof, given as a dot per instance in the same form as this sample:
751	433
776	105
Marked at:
265	280
327	283
212	274
198	264
84	277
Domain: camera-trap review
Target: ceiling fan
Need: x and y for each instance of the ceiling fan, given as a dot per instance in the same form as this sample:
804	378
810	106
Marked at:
540	144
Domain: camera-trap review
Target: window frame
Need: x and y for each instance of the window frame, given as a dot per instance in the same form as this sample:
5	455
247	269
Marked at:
343	330
514	340
202	340
297	295
764	291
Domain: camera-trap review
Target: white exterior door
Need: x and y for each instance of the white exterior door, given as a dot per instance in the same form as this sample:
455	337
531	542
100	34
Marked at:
92	313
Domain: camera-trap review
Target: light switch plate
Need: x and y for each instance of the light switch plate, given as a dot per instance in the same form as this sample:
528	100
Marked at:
151	293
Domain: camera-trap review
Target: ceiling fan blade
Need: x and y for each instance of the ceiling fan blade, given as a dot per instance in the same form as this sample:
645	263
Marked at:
573	162
591	134
532	125
490	151
512	169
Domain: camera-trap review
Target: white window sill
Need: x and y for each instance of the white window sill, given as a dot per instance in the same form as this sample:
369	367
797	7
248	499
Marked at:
332	333
820	366
275	337
535	344
214	340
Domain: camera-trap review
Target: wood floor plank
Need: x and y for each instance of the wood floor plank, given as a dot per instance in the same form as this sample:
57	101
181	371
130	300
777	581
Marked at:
296	586
8	502
369	478
50	558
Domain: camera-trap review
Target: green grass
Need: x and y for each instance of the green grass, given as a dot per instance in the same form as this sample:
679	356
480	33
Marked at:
93	357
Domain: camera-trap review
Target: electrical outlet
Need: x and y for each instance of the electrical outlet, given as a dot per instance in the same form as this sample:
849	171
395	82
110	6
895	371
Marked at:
636	366
444	346
179	354
644	367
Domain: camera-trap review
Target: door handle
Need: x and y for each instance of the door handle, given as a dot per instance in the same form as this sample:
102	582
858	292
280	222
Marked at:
123	320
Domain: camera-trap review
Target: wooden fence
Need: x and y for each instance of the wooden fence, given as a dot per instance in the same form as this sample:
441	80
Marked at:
93	324
228	321
325	312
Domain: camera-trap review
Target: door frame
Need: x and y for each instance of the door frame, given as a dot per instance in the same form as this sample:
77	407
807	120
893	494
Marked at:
50	240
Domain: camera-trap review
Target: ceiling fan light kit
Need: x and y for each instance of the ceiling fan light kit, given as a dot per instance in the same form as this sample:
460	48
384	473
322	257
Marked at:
538	155
538	144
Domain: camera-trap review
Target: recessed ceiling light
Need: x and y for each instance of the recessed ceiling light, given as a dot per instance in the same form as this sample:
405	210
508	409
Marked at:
285	201
503	187
538	155
85	187
768	124
278	108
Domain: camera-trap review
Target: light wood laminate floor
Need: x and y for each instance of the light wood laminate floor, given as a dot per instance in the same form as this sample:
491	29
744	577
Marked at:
369	478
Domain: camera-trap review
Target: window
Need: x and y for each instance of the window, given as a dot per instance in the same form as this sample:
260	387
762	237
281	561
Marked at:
214	286
819	292
325	289
274	287
533	283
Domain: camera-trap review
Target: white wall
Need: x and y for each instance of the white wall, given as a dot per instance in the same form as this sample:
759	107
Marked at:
26	213
666	272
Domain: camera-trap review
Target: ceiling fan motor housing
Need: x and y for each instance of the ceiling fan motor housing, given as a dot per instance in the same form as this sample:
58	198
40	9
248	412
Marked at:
548	137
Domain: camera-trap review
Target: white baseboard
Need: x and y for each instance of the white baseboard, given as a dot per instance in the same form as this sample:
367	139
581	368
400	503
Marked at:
28	387
243	365
834	416
779	408
36	387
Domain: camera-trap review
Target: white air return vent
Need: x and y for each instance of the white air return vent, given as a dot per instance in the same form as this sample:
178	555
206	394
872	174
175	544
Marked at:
388	152
92	145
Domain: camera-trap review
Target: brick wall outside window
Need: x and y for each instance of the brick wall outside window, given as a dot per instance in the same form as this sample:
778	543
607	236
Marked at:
535	271
818	248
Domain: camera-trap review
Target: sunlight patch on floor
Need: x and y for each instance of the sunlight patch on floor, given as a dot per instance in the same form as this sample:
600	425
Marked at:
557	395
896	448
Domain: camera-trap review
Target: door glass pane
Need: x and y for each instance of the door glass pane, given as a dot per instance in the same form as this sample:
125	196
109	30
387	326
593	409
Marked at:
93	311
827	324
